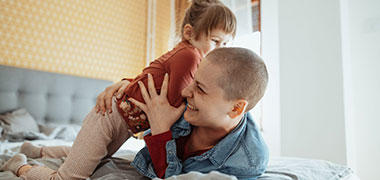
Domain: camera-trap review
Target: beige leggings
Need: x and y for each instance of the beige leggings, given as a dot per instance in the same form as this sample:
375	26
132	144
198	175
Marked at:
99	137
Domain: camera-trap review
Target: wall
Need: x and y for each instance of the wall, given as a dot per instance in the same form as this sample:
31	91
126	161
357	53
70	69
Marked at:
363	55
270	52
163	25
311	80
98	39
328	67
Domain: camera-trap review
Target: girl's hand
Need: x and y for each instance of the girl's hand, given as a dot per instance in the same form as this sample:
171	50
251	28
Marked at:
104	99
161	114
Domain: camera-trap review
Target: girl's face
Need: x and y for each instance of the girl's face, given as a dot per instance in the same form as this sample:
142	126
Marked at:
217	38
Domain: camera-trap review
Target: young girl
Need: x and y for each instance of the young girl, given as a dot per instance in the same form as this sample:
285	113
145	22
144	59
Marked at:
207	25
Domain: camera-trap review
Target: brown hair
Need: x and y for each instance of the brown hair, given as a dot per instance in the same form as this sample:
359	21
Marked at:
244	74
207	15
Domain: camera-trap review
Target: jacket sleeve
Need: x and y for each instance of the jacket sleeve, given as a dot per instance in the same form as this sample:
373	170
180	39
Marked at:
145	164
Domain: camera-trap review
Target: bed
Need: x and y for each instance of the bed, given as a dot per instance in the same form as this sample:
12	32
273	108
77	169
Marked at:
58	103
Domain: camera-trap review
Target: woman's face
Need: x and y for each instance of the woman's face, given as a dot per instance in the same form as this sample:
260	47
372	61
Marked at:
207	105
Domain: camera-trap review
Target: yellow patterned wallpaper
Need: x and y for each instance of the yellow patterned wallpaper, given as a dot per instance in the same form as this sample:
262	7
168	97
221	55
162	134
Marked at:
162	27
104	39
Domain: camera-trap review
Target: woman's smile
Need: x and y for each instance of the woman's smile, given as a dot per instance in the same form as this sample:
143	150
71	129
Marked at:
191	107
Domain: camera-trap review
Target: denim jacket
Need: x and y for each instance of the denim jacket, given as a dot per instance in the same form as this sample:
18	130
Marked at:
241	153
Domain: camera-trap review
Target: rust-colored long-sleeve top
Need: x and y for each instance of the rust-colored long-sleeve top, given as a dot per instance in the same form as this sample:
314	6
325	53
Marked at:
180	63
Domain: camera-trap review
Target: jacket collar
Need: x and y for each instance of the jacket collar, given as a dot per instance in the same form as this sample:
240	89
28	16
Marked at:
181	128
221	151
227	145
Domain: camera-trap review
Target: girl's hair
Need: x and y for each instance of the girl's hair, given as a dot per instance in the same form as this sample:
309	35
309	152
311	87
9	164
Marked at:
207	15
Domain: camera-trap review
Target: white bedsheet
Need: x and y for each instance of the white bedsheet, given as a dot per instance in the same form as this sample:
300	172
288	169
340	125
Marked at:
352	177
279	169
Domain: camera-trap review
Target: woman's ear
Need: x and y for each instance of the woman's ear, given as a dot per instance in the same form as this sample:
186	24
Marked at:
187	32
238	108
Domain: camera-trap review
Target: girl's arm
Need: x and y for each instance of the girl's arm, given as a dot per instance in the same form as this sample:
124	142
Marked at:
104	99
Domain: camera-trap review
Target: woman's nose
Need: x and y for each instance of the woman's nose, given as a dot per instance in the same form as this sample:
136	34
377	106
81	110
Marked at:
186	92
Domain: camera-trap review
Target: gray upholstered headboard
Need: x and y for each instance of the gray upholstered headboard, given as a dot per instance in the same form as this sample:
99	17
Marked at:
48	97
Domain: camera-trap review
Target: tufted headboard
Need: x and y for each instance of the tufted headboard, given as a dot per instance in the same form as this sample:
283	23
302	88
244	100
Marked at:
48	97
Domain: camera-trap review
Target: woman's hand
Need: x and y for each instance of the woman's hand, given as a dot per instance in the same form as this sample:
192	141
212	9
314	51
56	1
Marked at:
161	114
104	99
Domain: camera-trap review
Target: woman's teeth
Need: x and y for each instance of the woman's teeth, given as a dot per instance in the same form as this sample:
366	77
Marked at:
191	107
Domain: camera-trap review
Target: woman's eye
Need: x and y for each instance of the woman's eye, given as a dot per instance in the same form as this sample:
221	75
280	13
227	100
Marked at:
200	89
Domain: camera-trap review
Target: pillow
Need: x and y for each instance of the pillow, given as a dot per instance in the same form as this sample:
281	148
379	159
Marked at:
18	121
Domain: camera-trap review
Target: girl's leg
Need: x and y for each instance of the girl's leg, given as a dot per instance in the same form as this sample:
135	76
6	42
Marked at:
55	151
100	136
33	151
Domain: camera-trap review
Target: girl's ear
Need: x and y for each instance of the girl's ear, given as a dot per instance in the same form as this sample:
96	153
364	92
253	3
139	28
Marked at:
187	32
238	108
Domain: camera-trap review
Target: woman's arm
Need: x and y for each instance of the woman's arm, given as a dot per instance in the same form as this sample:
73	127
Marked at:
157	149
161	114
